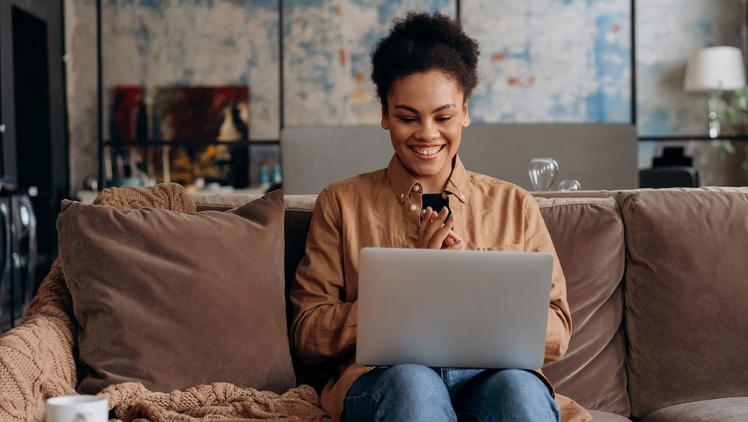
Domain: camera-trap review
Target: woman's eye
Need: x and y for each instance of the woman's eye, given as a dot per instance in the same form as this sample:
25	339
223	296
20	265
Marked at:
407	119
443	118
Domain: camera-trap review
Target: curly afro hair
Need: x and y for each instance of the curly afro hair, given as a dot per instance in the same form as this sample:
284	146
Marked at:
421	42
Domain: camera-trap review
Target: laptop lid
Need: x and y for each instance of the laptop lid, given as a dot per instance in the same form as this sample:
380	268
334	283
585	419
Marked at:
443	308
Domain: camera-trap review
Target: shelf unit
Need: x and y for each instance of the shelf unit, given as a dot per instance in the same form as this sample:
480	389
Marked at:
697	138
187	143
106	147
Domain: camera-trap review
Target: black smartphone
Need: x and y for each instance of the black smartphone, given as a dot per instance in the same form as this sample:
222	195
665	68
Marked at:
436	202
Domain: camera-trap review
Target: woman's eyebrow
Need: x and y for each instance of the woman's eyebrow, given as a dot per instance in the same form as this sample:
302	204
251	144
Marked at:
407	107
436	110
440	108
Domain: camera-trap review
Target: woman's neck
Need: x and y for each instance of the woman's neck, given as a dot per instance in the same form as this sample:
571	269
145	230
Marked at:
435	183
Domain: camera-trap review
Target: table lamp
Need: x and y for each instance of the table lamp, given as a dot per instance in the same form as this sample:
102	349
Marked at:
715	70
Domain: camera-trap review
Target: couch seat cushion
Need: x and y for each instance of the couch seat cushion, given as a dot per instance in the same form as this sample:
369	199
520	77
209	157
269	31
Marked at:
174	300
733	409
598	416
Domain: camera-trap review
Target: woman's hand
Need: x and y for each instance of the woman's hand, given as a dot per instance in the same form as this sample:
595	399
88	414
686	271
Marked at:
453	241
437	230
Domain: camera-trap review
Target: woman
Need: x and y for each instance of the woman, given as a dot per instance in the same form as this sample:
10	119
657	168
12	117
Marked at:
424	71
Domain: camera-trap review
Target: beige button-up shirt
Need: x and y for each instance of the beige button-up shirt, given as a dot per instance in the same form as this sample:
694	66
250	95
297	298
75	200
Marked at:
382	208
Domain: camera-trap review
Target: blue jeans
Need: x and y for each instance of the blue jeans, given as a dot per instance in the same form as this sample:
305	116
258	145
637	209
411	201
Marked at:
420	393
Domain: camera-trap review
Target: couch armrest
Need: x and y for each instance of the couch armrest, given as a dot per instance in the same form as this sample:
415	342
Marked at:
37	358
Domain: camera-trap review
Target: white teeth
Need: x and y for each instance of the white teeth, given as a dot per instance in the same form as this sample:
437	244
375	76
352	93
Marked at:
426	151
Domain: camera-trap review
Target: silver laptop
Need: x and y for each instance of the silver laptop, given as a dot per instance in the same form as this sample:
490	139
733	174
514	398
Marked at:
462	309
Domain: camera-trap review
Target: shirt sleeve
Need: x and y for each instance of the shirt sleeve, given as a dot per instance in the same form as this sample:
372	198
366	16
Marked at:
324	326
537	239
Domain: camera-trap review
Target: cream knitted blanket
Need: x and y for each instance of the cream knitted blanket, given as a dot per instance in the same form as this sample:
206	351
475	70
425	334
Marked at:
38	358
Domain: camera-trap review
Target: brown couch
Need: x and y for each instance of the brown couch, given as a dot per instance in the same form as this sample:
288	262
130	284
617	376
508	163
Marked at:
657	283
658	286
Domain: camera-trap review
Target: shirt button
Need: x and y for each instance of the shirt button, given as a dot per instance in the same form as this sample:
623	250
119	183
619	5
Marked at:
402	195
413	207
417	188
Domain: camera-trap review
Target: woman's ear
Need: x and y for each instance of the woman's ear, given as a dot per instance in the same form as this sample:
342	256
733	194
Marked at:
465	115
385	121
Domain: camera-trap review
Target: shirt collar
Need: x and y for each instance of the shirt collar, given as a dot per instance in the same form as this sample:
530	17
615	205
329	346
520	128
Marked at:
458	183
403	182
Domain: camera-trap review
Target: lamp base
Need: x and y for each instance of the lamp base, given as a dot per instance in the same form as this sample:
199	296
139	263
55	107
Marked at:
715	105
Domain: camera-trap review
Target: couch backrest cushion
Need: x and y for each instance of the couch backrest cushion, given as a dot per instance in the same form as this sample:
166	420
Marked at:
588	236
686	295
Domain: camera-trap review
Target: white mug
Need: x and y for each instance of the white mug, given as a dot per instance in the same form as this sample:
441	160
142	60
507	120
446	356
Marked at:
76	409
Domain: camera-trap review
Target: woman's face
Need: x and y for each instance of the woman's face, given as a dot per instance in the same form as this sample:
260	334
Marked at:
425	116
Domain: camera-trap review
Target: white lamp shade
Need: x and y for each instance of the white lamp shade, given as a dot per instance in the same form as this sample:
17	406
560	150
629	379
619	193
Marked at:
715	69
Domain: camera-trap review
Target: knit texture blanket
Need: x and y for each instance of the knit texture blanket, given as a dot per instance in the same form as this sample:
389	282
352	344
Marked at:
38	358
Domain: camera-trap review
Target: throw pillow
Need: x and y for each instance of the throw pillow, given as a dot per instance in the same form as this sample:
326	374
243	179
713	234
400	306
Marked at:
173	300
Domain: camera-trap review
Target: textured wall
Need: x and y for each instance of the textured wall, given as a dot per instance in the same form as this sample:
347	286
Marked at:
172	42
326	57
667	32
195	42
551	61
542	60
80	58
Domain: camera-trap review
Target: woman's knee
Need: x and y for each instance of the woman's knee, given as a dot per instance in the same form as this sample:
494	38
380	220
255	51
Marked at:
414	381
512	393
403	392
517	384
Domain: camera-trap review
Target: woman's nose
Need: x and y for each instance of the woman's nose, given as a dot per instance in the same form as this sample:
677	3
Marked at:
427	132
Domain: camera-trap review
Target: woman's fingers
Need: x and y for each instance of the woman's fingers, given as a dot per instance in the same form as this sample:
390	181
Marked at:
430	223
457	246
436	224
453	241
437	230
425	220
442	232
426	217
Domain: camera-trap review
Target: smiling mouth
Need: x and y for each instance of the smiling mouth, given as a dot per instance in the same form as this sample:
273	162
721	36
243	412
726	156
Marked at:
426	152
